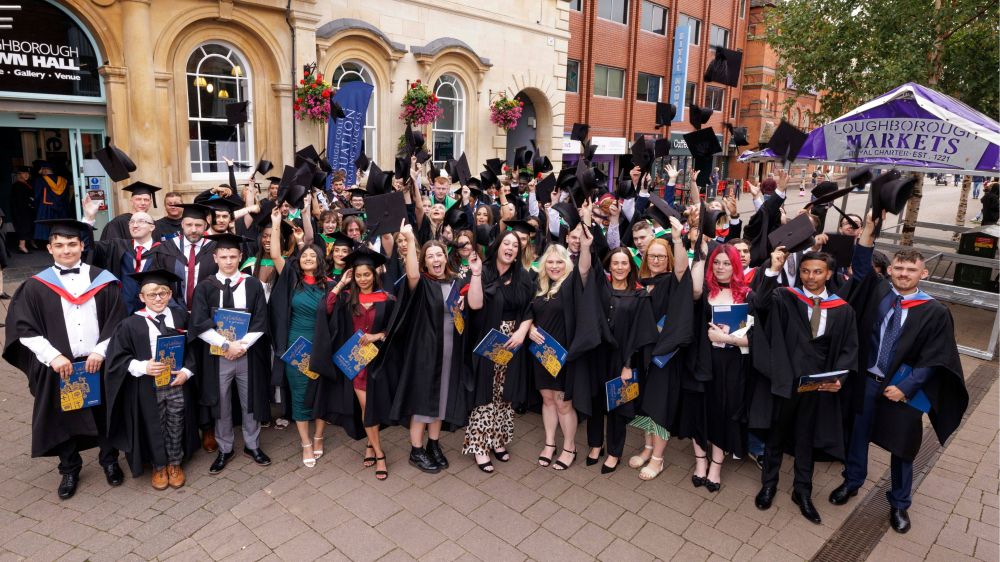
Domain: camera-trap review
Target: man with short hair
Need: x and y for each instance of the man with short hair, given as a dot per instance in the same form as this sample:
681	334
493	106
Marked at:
169	225
642	235
189	255
143	196
65	315
123	257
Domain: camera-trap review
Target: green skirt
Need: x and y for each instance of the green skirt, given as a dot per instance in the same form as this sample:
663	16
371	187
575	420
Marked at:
647	424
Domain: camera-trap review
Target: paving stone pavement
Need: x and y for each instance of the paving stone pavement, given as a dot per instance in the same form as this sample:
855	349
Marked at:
338	511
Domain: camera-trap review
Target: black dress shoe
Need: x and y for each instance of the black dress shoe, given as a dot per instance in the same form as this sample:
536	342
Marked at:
841	494
592	461
806	507
765	497
257	456
114	475
220	462
420	459
899	520
437	455
68	486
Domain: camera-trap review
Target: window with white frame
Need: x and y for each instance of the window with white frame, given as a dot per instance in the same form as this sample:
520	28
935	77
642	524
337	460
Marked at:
217	75
718	37
648	87
695	26
449	130
714	97
609	81
654	18
353	71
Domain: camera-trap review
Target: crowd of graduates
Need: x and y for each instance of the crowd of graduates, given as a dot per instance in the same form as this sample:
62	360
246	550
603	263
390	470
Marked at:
427	261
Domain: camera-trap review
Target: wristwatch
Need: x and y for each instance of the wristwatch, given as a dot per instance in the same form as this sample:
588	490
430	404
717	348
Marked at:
225	347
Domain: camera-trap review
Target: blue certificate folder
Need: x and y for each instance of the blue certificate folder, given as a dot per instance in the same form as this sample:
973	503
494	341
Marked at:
80	390
732	315
550	354
169	350
618	392
352	357
297	355
232	324
492	348
919	400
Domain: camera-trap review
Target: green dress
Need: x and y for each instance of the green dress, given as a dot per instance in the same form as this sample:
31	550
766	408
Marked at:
303	323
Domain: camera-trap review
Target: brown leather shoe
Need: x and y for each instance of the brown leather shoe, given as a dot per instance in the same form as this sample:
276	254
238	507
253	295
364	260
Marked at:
208	441
159	479
175	476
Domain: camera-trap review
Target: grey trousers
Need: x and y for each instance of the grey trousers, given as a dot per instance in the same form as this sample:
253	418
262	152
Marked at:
224	436
170	400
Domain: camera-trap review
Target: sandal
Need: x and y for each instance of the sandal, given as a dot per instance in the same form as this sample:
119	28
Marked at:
487	466
709	485
638	461
559	465
317	453
546	461
369	462
280	423
381	475
309	463
699	481
502	456
648	472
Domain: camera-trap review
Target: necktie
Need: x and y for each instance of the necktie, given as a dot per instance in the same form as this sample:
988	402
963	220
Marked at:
817	315
68	271
890	337
227	295
161	324
189	285
138	258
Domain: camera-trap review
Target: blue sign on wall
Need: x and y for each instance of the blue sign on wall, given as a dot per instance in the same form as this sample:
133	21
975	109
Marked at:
346	134
679	71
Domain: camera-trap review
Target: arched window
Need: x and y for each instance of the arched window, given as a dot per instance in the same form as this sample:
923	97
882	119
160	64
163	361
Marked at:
449	130
796	117
353	71
805	120
217	75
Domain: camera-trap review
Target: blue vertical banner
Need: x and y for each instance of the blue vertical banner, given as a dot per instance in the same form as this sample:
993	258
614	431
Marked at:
679	70
345	135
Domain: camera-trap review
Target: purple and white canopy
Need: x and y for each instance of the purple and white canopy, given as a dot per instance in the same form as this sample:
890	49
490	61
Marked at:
911	127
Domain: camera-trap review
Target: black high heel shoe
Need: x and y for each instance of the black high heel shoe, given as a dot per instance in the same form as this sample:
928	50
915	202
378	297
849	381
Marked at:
593	461
712	486
699	481
605	469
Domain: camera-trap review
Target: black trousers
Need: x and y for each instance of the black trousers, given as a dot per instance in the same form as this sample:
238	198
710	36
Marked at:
70	461
615	426
784	432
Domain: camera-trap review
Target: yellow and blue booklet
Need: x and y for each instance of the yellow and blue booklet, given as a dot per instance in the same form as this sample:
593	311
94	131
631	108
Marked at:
169	351
492	348
550	354
618	392
352	357
297	355
80	390
232	324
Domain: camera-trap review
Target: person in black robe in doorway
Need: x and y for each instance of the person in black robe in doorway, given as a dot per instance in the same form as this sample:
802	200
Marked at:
900	329
804	332
63	315
22	207
245	362
155	425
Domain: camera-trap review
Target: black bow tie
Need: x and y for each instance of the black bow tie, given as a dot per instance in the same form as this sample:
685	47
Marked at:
68	271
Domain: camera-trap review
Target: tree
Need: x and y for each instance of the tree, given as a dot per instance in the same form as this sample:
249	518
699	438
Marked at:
855	50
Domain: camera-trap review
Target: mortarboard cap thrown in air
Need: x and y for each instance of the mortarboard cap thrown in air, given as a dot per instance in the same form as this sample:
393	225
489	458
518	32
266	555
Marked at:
114	161
236	113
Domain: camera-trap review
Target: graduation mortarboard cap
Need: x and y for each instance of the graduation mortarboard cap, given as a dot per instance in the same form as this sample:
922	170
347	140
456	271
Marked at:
891	196
451	169
661	148
236	113
414	140
569	213
385	213
264	221
401	167
786	141
725	67
274	179
488	178
351	212
521	226
65	227
22	170
841	247
462	167
293	195
358	191
362	161
709	220
378	181
494	165
795	236
665	113
263	167
422	156
155	276
142	188
456	219
114	161
580	132
698	116
364	255
341	239
543	189
661	211
226	240
522	157
739	135
860	176
541	164
195	211
703	144
821	190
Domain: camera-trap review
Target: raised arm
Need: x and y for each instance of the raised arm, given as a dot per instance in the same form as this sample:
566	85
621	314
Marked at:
475	297
279	260
680	253
412	261
307	224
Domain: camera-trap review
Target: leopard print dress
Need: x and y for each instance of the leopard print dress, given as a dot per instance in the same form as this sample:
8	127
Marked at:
491	426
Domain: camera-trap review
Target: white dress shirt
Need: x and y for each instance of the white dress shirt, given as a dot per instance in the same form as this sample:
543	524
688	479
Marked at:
185	249
885	324
213	337
82	327
822	311
146	247
138	368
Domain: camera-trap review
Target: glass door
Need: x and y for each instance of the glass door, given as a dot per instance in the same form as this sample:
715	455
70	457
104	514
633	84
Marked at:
89	175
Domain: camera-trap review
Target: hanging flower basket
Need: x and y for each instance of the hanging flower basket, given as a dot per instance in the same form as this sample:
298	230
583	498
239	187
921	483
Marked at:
420	105
504	112
312	98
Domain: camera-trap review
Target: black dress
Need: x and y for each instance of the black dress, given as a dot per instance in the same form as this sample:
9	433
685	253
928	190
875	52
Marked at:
548	316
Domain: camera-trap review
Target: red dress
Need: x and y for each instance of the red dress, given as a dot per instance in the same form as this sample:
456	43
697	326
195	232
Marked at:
363	322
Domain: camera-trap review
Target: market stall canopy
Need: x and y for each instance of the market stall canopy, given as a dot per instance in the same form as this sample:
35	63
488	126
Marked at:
911	127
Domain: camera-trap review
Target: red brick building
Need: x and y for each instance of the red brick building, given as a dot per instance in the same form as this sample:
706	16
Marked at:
620	56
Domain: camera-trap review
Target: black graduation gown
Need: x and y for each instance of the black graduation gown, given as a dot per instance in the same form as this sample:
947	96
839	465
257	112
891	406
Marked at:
336	400
405	378
206	300
117	229
166	228
22	209
764	221
174	259
783	351
671	395
133	414
927	341
36	310
118	256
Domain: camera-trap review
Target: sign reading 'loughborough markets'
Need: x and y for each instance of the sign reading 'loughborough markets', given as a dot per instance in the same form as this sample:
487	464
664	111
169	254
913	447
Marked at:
47	52
923	140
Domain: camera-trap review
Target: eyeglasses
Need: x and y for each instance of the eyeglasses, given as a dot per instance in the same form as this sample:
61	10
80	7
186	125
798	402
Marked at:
159	295
653	257
134	222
